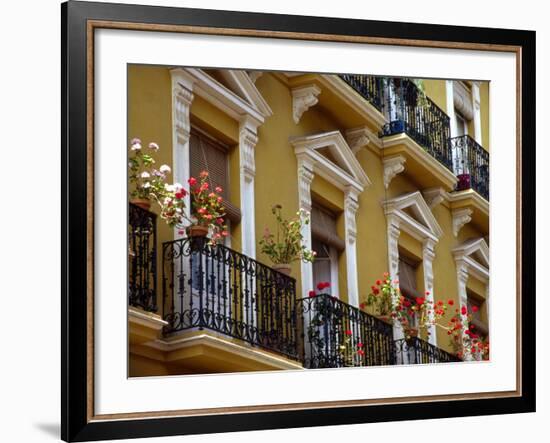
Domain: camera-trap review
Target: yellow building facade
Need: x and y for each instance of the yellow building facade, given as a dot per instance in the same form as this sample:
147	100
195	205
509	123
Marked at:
394	172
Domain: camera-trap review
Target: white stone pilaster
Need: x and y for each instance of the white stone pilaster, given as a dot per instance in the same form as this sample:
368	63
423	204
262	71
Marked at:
351	205
248	138
182	97
428	256
449	94
305	177
462	280
476	101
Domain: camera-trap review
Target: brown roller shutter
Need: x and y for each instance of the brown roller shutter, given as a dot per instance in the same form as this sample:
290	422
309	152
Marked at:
407	278
323	227
207	155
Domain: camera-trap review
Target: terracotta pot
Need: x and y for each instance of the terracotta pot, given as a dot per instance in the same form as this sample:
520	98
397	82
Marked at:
410	335
384	318
283	268
143	203
197	231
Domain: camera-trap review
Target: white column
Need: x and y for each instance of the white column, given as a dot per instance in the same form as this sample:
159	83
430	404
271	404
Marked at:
351	205
428	255
182	97
305	177
451	106
476	102
462	279
393	264
247	141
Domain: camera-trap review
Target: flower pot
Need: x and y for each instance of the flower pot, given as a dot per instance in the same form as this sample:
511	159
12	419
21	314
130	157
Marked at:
143	203
197	231
410	335
283	268
385	318
463	182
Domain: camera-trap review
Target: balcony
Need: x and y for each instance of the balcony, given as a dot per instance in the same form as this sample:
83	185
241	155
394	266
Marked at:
411	112
471	165
142	258
367	86
214	288
337	335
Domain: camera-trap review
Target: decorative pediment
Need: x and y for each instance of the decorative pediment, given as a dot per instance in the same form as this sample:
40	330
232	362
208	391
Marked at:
413	214
331	158
243	85
474	253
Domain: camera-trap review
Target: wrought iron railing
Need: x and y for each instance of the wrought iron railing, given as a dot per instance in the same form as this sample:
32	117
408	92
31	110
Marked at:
368	86
335	334
418	351
142	258
214	287
471	165
409	110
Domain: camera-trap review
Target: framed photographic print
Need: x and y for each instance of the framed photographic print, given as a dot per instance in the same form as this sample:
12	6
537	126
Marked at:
281	221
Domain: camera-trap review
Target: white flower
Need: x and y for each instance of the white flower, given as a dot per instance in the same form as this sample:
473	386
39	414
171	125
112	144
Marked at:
153	146
145	174
165	169
146	185
167	201
135	146
135	140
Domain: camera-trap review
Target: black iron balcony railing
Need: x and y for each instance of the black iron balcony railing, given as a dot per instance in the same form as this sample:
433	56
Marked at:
417	351
214	287
367	86
142	258
471	165
336	335
410	111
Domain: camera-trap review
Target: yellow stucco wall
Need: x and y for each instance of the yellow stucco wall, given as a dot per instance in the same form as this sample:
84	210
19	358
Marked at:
149	117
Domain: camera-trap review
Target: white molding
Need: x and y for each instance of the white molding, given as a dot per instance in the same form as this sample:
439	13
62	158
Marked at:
255	75
221	97
392	166
477	112
434	196
428	232
460	218
351	205
303	98
305	177
347	176
241	82
147	319
427	228
182	98
358	138
348	171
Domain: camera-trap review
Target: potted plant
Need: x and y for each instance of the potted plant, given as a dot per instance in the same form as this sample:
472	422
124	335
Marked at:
287	245
208	211
465	342
148	181
382	298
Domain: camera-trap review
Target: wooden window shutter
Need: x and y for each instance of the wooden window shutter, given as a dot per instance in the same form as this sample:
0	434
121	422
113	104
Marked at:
207	155
323	227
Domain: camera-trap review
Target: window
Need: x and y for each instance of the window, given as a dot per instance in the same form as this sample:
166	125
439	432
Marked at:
476	304
327	244
461	124
208	154
407	279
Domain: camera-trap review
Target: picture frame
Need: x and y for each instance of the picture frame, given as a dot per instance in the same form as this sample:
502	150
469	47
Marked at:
80	20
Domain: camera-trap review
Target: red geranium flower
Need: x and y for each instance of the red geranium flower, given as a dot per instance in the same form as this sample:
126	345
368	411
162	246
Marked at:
464	310
192	181
475	309
376	291
419	300
311	293
378	282
348	332
451	302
